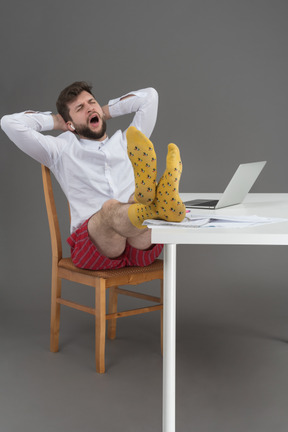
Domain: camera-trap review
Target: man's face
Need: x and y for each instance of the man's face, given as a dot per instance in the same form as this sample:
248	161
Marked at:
87	117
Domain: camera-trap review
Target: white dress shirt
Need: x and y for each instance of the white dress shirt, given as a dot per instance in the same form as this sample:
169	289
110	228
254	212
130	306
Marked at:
90	172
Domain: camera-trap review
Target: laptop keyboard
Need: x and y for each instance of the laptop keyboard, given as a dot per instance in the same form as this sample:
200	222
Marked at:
201	203
211	203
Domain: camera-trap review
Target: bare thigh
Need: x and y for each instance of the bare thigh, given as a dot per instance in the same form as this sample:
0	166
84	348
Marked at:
110	228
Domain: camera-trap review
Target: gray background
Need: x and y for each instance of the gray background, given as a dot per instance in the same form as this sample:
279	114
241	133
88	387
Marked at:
221	69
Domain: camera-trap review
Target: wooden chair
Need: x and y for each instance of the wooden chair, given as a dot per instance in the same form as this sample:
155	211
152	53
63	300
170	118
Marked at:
63	268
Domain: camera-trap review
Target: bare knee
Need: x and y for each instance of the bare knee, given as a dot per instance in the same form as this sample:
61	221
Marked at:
105	238
108	207
104	217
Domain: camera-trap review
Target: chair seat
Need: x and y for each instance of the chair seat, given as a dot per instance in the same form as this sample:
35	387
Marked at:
66	263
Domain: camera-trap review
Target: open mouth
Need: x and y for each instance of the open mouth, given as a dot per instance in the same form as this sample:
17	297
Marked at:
94	120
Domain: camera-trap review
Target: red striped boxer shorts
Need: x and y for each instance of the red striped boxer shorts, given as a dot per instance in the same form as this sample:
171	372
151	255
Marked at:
85	255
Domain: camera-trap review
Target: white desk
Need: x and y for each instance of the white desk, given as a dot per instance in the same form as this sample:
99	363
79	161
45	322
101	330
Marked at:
266	205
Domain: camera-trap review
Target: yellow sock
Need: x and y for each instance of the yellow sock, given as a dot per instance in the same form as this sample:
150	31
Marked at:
138	212
143	158
167	204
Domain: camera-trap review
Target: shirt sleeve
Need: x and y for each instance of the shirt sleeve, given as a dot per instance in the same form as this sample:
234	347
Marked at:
144	103
25	130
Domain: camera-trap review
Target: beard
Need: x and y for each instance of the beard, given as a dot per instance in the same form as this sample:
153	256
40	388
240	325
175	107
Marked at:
86	132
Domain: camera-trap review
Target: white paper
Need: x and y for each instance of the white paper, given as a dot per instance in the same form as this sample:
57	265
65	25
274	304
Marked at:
211	221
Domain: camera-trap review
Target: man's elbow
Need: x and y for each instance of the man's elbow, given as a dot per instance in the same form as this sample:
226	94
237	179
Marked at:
153	94
4	123
9	124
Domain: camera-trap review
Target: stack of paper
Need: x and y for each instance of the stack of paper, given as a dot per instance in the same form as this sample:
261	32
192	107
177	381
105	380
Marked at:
212	221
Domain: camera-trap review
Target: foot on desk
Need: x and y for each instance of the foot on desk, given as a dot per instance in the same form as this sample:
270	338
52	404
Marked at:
143	158
167	204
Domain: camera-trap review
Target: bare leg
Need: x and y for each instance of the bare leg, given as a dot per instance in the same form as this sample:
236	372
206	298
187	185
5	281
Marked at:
117	223
110	228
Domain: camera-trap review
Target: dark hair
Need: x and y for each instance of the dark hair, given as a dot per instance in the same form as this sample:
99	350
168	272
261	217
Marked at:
69	94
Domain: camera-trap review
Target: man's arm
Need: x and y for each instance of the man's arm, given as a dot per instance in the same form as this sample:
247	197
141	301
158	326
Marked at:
105	108
144	103
25	130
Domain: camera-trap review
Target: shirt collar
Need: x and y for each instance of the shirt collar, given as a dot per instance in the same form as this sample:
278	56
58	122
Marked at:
89	141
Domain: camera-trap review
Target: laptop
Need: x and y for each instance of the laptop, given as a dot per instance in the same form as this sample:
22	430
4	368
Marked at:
237	189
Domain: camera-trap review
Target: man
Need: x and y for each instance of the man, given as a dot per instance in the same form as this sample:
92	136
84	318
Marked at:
97	176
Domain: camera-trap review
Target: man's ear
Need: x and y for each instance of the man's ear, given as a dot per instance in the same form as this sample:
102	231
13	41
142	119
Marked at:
71	126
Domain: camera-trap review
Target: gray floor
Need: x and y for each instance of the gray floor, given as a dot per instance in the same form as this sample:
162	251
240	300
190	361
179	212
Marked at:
232	359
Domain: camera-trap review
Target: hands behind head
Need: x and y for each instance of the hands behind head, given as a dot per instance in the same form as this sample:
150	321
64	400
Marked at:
59	123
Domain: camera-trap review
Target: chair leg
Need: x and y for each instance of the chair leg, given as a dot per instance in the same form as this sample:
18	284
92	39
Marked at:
112	308
55	310
161	297
100	325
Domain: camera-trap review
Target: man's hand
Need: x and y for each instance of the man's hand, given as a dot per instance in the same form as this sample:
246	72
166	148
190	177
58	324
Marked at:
59	123
106	112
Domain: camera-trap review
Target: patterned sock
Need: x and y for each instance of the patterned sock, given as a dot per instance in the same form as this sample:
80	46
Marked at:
167	204
143	158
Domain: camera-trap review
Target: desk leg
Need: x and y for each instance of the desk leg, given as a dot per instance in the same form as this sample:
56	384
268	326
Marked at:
169	338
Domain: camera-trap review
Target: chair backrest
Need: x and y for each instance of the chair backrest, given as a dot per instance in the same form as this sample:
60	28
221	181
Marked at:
56	243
